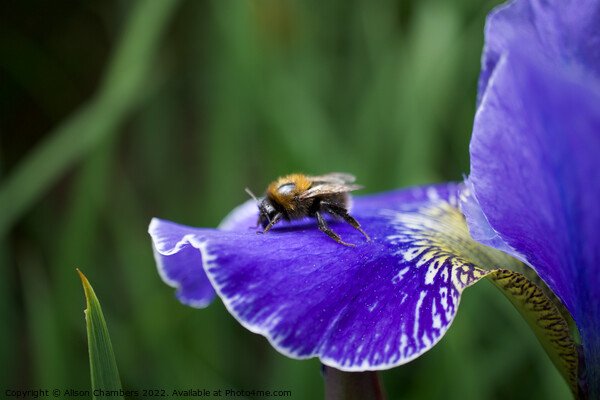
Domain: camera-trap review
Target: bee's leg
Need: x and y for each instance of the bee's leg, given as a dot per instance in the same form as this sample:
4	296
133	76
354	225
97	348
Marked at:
272	222
341	212
323	227
257	223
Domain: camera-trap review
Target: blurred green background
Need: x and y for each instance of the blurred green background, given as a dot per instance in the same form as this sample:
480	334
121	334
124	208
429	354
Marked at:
117	111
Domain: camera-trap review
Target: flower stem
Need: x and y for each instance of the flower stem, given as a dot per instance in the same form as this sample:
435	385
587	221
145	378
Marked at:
352	385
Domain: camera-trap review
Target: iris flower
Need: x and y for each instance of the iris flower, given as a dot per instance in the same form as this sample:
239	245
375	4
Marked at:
531	201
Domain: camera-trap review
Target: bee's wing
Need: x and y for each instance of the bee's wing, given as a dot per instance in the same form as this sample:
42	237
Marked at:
334	177
328	188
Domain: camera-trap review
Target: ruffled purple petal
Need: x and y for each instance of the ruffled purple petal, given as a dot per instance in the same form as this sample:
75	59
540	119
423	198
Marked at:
374	306
535	175
179	261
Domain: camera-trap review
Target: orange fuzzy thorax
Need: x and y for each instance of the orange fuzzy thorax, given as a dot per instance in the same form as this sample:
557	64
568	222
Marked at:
301	184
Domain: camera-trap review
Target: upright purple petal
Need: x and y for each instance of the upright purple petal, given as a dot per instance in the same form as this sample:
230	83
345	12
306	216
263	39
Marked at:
535	174
535	144
565	33
374	306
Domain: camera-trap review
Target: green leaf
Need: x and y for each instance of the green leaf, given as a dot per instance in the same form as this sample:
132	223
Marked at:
106	383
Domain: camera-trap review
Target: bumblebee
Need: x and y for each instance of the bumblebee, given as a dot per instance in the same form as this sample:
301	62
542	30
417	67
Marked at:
297	196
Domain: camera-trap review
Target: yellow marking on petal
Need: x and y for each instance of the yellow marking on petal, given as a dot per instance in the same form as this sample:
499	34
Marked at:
439	233
463	279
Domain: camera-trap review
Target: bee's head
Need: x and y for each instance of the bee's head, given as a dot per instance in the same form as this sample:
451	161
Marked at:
267	211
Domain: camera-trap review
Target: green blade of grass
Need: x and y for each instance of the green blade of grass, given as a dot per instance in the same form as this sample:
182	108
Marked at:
125	81
106	383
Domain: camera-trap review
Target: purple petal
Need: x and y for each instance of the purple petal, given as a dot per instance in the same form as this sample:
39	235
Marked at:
565	33
535	174
179	261
478	224
538	135
374	306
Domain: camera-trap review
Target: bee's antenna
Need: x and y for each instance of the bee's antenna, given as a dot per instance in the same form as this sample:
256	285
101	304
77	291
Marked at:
251	195
259	208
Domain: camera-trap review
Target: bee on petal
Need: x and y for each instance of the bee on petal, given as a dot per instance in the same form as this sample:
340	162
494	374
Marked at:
297	196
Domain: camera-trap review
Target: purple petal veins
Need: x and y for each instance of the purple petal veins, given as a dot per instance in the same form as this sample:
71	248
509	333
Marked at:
375	306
